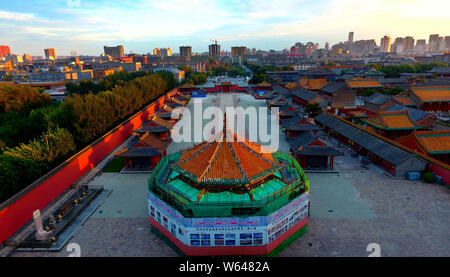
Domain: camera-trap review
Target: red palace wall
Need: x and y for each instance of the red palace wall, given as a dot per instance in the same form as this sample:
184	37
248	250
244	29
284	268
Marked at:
18	210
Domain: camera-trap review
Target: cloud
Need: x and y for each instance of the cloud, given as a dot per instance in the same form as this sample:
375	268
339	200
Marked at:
268	24
16	16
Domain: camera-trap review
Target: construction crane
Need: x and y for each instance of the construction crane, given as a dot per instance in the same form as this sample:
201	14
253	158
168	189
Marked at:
214	40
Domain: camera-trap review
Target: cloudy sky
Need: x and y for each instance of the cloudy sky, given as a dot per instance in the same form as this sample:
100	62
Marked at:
29	26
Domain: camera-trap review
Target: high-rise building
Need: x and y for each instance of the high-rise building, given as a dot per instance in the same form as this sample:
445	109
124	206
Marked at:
350	41
421	45
447	43
327	46
440	45
27	58
186	52
385	44
214	50
408	44
4	50
50	53
162	52
433	43
238	51
116	52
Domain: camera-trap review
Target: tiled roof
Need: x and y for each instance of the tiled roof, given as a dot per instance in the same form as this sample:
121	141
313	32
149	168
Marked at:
396	120
138	152
179	101
304	94
291	85
333	87
264	84
378	98
161	122
363	83
415	114
301	145
296	124
428	142
404	100
312	84
377	146
187	85
434	142
153	141
210	162
151	129
432	94
440	70
358	114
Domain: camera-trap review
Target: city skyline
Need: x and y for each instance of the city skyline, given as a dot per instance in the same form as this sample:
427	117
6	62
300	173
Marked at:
256	24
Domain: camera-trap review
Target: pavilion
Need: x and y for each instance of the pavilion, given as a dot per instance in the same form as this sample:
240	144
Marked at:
228	196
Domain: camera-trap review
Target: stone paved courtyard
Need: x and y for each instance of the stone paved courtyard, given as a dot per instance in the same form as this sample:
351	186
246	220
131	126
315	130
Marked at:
349	210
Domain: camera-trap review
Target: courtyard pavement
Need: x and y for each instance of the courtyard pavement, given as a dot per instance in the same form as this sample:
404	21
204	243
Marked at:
349	210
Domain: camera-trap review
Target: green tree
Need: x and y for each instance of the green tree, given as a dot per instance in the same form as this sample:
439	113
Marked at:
313	109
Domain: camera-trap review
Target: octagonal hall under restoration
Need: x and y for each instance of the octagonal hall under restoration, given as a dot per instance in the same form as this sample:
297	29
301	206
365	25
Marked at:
226	196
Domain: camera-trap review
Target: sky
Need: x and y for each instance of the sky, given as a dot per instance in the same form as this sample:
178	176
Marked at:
85	26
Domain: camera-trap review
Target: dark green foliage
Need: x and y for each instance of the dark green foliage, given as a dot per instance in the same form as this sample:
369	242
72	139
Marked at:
36	134
117	79
196	78
392	71
16	174
313	109
115	165
21	99
429	177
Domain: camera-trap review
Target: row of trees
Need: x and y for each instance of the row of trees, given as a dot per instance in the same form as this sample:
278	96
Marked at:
392	71
391	91
23	164
63	128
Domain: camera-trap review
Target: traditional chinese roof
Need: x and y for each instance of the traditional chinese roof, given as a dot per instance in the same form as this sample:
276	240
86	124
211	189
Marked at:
167	108
165	115
332	87
312	84
155	142
404	100
416	115
291	85
375	145
363	83
296	124
155	119
440	70
308	145
264	84
358	114
428	142
304	94
280	101
151	129
378	99
179	101
225	159
187	85
432	94
138	152
396	120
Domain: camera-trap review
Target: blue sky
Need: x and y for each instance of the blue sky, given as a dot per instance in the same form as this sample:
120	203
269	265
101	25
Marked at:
29	26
